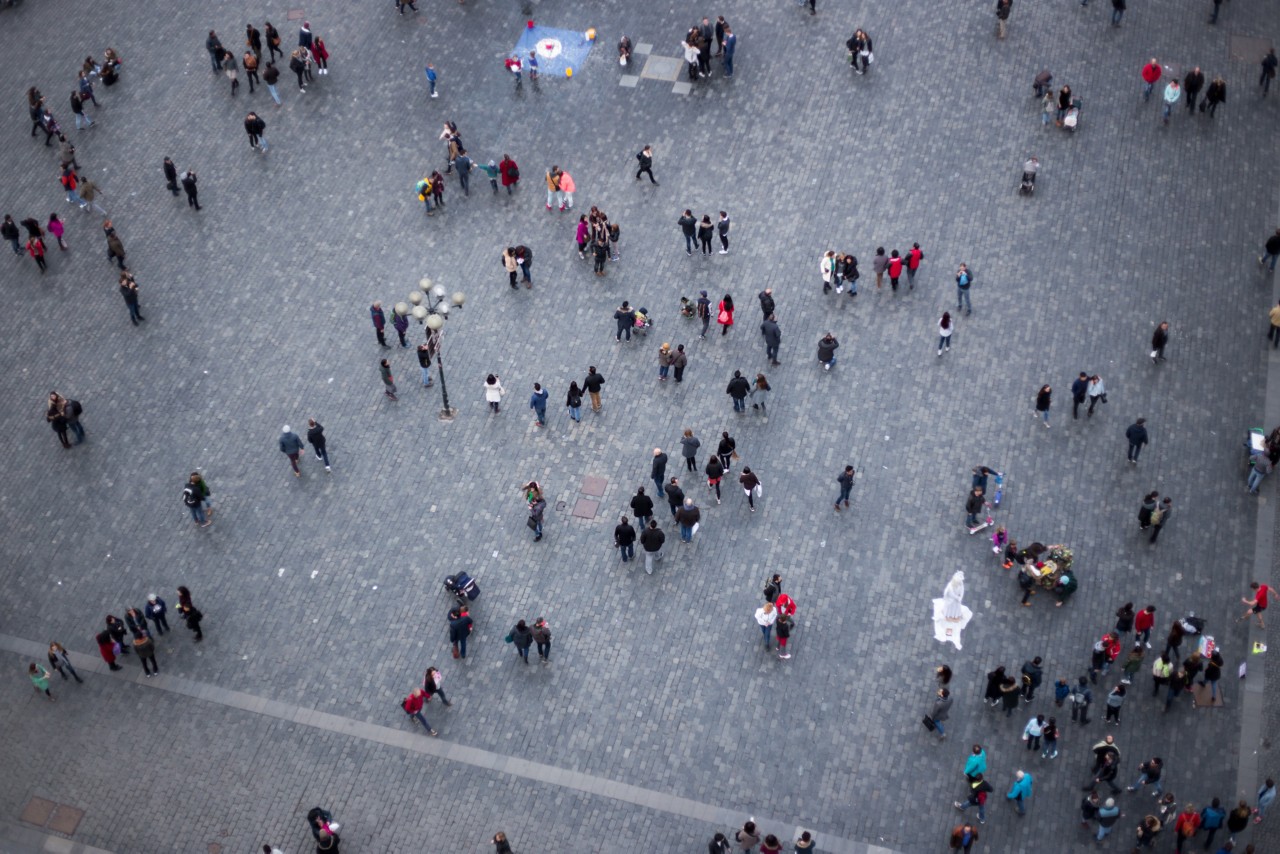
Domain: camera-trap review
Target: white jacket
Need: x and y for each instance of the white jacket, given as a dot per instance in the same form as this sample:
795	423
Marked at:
493	393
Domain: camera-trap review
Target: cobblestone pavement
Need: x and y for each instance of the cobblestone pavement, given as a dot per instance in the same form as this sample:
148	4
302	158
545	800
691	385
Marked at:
322	593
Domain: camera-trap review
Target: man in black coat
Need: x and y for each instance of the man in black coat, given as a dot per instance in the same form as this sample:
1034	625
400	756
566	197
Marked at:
1191	86
772	339
675	495
659	470
171	176
1137	436
738	389
642	506
624	537
766	302
652	540
594	380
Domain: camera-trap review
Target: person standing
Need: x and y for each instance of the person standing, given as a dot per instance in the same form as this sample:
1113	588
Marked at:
379	319
145	648
189	187
689	445
291	446
625	320
1216	94
155	610
722	229
315	438
55	414
773	338
1172	92
72	410
1079	391
229	68
1003	8
464	165
750	486
214	46
945	328
914	256
962	835
35	247
642	507
964	281
1032	677
675	496
689	228
1097	390
679	362
1032	732
493	392
424	362
652	540
61	662
538	403
705	230
1136	433
1044	401
9	231
1192	83
460	626
845	479
190	613
537	508
1266	797
1115	700
1020	791
510	173
1050	734
760	394
1269	63
645	159
522	638
388	382
77	107
593	383
194	502
624	536
40	680
1117	11
432	76
766	616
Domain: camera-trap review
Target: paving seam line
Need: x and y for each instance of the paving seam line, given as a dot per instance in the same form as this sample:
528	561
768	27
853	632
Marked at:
509	765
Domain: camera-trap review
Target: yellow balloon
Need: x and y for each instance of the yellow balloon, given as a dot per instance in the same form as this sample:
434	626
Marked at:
568	72
591	34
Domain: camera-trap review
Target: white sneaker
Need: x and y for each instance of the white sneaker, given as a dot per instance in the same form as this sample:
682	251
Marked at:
326	468
724	251
939	353
826	366
434	95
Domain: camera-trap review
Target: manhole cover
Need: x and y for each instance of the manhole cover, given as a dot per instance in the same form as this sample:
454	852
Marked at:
37	811
585	508
594	486
65	819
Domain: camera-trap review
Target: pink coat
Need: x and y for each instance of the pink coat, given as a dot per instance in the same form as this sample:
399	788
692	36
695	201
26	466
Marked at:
566	182
582	233
55	227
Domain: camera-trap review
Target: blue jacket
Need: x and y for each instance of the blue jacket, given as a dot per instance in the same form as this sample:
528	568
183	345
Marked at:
154	609
1020	788
290	443
1211	817
976	764
538	400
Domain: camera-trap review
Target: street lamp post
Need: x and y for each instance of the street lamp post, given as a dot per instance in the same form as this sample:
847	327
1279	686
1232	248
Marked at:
434	314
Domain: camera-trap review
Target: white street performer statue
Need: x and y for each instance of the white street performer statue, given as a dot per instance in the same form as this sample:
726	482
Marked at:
950	616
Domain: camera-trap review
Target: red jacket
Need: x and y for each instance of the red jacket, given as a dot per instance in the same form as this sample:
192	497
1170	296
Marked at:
914	257
1151	72
895	268
107	651
412	704
785	605
1143	621
318	49
1112	648
1188	824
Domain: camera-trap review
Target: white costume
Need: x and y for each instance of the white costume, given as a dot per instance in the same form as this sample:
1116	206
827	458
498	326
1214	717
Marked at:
950	616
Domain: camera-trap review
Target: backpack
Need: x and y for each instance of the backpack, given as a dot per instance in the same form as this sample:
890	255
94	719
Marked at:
190	496
1078	698
770	590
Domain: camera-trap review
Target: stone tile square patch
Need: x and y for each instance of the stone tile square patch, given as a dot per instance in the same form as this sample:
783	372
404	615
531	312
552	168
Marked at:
1249	49
629	81
37	811
594	486
558	50
65	819
661	68
585	508
682	88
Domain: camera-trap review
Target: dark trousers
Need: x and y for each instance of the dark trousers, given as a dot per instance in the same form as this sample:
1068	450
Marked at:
253	78
646	170
161	623
153	665
1075	406
544	650
679	373
1273	335
382	337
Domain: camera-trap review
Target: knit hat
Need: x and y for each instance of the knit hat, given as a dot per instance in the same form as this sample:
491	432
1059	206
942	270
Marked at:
285	428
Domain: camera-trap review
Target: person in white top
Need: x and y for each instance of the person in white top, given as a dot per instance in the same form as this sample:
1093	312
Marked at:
1095	391
945	328
766	616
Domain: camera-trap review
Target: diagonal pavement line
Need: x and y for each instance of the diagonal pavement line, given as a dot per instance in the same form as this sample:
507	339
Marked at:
448	751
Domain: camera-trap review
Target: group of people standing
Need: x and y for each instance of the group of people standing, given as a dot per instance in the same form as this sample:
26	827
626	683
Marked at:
697	43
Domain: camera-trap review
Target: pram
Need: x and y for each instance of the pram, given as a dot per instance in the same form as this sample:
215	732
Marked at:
1072	119
1029	170
463	587
643	323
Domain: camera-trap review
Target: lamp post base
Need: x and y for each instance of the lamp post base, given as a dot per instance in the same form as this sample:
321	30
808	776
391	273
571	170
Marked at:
447	414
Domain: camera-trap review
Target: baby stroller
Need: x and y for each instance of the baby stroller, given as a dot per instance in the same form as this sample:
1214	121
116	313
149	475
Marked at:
1072	119
643	322
1029	170
463	587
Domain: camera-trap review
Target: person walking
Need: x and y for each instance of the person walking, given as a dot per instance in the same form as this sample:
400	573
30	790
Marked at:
1257	602
914	256
593	382
61	662
750	486
9	231
107	649
1260	467
1003	8
845	479
315	438
1081	698
510	173
271	76
687	517
1150	76
773	337
1050	734
1270	251
189	187
291	446
724	317
412	706
1020	791
522	638
1136	433
1149	774
1097	390
645	159
460	626
1172	92
945	328
658	470
964	281
652	540
738	389
542	633
256	128
538	403
229	69
1192	83
689	445
190	613
1212	818
214	46
1115	700
537	508
77	107
727	450
1117	11
194	502
35	248
715	473
145	648
1079	392
40	680
940	711
1032	731
674	495
1044	400
388	382
1266	797
760	394
624	537
642	507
